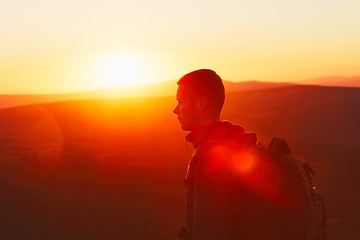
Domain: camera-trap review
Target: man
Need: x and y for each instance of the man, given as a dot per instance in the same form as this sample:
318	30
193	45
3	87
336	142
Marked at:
214	203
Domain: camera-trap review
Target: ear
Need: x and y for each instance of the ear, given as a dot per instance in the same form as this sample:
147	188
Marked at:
201	104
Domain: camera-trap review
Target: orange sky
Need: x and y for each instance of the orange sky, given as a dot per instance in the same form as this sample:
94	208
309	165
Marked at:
62	46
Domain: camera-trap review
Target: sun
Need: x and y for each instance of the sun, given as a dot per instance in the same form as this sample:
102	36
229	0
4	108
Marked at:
123	69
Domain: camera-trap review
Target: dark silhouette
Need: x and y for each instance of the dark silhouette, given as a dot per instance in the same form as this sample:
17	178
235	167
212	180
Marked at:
233	189
200	97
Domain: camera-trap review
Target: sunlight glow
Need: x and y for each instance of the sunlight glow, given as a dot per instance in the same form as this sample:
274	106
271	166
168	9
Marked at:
244	162
123	69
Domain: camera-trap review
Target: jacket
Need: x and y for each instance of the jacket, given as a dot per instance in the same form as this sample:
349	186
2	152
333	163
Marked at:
212	207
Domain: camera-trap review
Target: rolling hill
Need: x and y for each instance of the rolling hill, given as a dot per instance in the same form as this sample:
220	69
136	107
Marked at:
335	81
113	168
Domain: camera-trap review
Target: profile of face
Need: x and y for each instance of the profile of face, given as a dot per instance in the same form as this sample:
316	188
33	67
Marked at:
186	109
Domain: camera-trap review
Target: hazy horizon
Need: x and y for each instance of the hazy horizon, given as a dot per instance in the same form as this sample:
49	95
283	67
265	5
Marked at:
322	80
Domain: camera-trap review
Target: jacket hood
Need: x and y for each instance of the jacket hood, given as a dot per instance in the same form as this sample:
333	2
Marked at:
222	130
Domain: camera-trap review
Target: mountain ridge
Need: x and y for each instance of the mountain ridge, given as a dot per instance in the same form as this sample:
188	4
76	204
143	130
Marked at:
157	89
336	81
167	88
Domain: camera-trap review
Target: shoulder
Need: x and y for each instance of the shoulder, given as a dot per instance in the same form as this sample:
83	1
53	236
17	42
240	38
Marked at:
215	161
215	151
225	151
230	159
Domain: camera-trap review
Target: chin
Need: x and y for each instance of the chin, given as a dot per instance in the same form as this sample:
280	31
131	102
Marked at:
185	128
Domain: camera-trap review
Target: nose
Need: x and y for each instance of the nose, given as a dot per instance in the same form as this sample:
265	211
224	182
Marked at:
176	109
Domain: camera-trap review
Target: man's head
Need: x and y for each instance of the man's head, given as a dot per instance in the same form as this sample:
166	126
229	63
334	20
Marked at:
201	97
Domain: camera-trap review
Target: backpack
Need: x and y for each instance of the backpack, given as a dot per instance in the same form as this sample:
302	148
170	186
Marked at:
280	200
298	178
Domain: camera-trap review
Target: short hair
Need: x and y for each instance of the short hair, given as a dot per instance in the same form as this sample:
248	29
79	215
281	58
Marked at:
206	83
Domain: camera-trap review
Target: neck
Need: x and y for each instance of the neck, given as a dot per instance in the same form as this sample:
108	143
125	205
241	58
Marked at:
199	132
207	121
